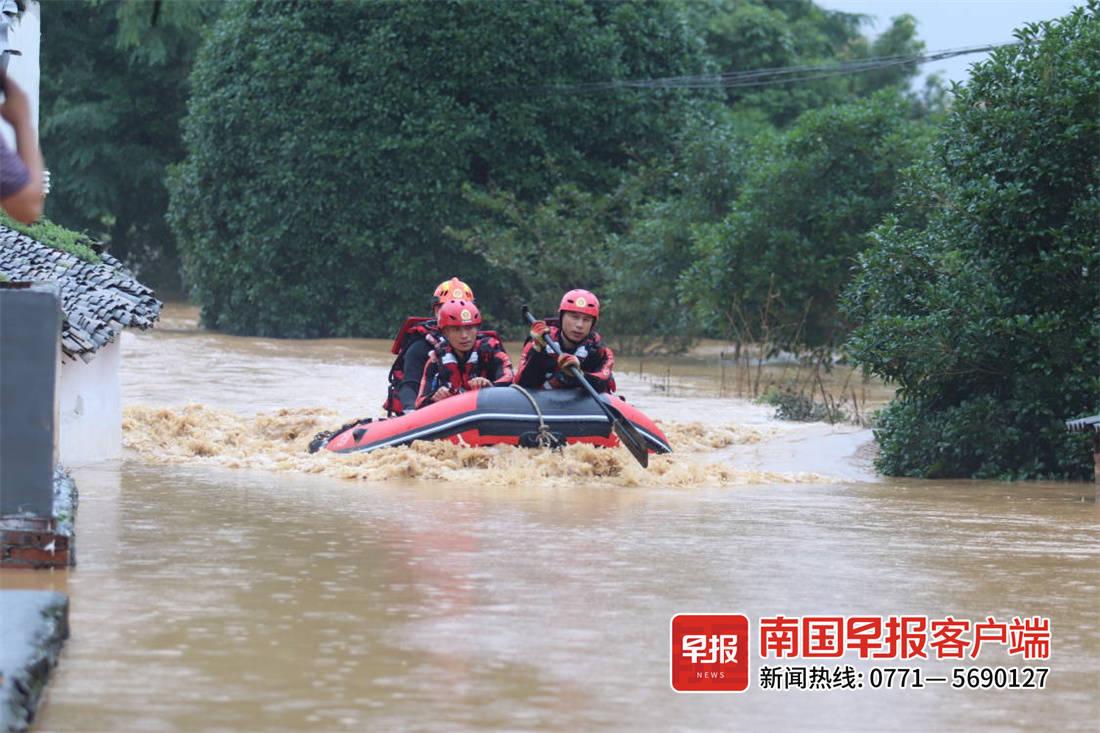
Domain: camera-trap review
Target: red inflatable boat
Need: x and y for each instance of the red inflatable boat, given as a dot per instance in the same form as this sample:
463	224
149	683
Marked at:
497	415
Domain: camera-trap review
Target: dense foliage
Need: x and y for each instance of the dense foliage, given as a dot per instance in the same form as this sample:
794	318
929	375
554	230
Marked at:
983	302
636	242
321	173
629	244
444	138
773	268
113	91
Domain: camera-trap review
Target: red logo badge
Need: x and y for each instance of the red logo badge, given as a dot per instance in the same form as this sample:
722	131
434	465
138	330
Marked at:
710	652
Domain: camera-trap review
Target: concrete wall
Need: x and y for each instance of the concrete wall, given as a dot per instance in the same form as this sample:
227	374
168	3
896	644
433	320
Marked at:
25	36
90	403
30	344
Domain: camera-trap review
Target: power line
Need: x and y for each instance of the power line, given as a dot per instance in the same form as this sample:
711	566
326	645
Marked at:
771	77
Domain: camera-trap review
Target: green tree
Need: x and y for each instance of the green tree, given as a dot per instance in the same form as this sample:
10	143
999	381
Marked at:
743	35
677	198
628	244
779	260
542	250
682	198
114	87
983	302
322	172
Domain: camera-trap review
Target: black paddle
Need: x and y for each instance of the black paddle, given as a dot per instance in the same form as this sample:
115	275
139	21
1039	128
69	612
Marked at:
628	434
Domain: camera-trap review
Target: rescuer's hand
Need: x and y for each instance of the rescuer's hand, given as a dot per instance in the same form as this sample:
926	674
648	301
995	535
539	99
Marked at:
538	334
568	362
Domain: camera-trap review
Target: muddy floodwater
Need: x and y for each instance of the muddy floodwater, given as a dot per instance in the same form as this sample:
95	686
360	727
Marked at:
229	581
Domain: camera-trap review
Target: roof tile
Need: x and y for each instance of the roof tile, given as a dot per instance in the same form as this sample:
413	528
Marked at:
97	299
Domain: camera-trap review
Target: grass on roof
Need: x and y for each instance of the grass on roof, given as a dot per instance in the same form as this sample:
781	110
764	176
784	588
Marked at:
56	236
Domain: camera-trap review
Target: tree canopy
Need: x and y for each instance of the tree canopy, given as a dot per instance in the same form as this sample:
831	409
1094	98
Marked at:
763	34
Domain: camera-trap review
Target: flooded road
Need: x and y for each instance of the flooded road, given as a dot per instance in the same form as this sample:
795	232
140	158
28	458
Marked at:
225	582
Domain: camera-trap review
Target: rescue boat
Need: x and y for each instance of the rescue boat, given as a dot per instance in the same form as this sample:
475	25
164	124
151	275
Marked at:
498	415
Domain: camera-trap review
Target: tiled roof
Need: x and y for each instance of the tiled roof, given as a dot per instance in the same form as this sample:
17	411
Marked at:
1084	425
98	299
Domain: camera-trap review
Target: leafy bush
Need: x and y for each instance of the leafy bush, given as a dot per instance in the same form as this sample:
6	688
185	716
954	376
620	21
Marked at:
52	235
981	302
798	407
983	437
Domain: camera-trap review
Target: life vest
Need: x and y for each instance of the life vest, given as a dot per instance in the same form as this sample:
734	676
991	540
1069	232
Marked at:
412	330
479	363
596	360
457	376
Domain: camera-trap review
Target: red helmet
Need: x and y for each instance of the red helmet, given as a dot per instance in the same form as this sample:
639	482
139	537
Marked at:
458	313
580	301
453	289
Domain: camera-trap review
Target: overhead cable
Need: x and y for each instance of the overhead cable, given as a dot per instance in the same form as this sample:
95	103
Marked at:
773	76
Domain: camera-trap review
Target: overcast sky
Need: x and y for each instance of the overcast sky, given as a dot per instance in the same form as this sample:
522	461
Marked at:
947	24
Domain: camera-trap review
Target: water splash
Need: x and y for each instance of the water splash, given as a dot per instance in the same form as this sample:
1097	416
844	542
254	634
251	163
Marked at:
277	441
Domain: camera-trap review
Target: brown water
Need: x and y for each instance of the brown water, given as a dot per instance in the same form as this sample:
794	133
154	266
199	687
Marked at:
227	581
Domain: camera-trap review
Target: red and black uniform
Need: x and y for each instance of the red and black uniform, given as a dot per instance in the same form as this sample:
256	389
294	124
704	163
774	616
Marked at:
539	368
413	344
445	368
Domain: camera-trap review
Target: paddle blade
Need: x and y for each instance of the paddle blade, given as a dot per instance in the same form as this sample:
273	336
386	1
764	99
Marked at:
632	439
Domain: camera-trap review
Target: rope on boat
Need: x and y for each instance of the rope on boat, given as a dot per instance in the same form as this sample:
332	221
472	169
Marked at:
545	438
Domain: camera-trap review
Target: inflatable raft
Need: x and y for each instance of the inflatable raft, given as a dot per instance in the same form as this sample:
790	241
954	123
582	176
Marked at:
497	415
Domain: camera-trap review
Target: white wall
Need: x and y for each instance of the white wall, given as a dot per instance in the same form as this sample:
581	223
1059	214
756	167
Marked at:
90	406
25	37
